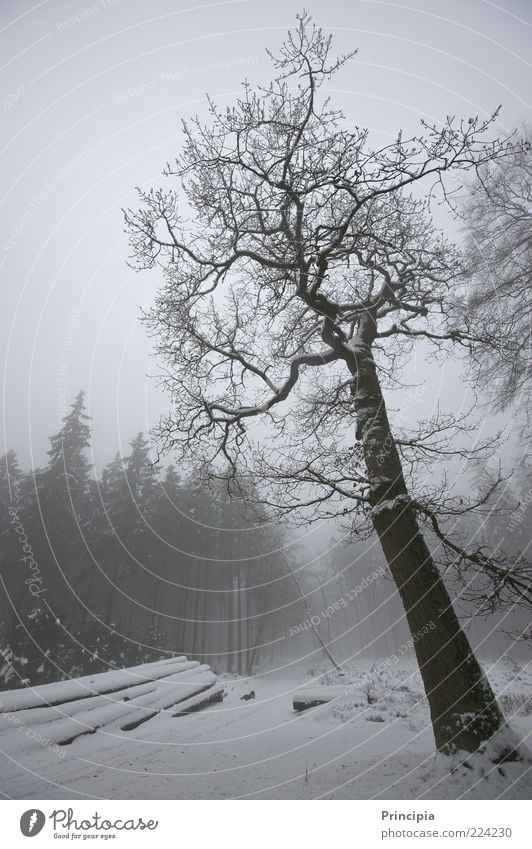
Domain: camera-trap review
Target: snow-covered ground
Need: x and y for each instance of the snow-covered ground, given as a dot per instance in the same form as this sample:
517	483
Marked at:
374	741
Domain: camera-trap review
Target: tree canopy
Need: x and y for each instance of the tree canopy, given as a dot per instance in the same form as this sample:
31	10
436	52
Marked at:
288	245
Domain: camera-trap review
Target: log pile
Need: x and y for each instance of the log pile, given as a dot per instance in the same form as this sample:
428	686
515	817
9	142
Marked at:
117	700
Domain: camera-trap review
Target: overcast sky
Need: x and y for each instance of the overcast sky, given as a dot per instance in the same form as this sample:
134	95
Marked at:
91	101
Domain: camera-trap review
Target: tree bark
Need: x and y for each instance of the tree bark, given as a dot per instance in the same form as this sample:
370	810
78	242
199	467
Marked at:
463	707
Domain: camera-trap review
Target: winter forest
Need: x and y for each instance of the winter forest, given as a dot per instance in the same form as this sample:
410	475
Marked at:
306	565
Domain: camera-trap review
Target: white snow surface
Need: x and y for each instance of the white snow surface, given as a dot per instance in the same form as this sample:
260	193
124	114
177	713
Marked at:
371	740
390	504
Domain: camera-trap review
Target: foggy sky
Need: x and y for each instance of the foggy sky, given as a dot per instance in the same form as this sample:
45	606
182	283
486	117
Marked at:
91	102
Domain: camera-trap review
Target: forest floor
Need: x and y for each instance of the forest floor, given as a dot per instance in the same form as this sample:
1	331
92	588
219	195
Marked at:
376	746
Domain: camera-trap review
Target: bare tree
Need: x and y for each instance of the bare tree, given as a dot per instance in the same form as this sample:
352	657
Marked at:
300	271
310	619
497	214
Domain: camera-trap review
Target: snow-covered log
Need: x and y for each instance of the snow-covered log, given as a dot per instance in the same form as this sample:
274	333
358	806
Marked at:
79	688
309	697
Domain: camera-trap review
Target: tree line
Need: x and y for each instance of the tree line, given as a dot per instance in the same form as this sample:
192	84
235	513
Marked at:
138	564
143	562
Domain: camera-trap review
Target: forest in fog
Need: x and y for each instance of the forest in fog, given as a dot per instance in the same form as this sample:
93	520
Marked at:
143	564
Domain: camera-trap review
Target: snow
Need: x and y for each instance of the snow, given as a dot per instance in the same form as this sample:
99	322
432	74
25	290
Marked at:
390	504
468	777
372	740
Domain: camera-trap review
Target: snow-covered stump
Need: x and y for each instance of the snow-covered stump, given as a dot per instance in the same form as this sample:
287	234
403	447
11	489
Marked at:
118	700
309	697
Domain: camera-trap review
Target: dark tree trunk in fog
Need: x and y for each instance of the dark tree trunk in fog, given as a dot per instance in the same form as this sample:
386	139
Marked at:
254	650
249	635
240	629
254	644
230	623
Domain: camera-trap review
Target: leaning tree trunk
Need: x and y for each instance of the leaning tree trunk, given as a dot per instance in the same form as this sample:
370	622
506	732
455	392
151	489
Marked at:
463	707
